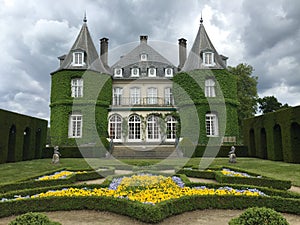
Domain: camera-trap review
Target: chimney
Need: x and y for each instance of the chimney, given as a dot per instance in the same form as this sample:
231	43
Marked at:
224	59
104	50
143	39
61	59
182	52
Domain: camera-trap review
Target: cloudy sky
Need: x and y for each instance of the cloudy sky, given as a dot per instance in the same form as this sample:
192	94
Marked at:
262	33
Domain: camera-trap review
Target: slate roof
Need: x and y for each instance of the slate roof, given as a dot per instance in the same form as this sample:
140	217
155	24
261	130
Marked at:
202	43
84	43
133	59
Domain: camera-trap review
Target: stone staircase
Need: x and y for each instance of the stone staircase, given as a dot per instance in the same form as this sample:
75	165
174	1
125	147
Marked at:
144	151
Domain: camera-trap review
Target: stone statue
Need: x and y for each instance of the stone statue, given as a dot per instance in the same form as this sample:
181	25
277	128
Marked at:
56	155
232	155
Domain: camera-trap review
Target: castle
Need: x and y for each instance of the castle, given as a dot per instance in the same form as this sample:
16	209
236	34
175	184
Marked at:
135	101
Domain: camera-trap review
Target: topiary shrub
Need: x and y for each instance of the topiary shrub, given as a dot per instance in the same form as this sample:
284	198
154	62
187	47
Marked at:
259	216
33	219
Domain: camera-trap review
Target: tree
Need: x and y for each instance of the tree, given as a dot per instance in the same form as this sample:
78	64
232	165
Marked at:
270	104
246	91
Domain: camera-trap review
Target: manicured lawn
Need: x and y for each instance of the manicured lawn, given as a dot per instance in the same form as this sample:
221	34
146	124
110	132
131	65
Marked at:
11	172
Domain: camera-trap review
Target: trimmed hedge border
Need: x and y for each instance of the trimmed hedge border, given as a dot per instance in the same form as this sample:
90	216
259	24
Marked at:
144	212
282	201
32	183
219	177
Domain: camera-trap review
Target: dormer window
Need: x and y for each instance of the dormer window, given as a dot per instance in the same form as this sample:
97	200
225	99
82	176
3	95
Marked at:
78	59
168	72
118	72
135	72
152	72
144	57
208	59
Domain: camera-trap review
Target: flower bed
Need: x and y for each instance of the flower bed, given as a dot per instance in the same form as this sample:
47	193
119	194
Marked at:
58	178
195	172
147	197
145	188
64	174
235	176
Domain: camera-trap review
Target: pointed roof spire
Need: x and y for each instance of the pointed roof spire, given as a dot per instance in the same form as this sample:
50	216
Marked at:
201	20
202	44
84	17
84	43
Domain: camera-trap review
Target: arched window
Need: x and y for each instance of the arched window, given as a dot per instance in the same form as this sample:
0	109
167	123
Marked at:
171	128
115	127
153	128
211	124
26	144
210	88
134	128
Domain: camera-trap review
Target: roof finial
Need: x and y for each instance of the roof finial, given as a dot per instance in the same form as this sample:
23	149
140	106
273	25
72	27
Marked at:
201	20
84	18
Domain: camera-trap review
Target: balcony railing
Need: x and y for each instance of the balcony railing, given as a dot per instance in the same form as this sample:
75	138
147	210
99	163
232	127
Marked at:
143	101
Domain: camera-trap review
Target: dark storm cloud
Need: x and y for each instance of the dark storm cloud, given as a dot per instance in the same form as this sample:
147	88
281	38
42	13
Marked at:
264	34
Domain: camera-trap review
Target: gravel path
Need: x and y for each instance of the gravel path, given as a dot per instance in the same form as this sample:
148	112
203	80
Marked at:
199	217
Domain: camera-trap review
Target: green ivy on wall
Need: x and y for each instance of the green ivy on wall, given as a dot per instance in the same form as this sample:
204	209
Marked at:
93	106
189	92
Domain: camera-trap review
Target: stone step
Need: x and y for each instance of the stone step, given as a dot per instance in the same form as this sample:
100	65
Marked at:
144	151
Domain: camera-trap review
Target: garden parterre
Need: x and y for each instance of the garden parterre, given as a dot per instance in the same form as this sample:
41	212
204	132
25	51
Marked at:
145	188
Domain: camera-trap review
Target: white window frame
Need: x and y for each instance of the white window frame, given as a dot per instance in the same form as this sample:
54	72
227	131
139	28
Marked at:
144	57
169	100
208	59
118	72
153	129
211	123
75	126
149	72
152	96
210	88
77	87
135	96
169	74
78	59
171	125
134	128
115	127
117	96
135	72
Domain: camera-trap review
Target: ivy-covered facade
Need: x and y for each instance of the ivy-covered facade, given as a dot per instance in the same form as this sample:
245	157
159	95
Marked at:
143	97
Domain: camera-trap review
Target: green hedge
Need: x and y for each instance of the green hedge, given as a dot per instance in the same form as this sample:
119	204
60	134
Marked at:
219	177
145	212
190	172
32	183
22	137
263	181
78	152
274	136
241	151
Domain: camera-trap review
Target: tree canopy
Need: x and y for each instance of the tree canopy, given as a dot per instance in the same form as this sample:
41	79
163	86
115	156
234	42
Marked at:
246	91
270	104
